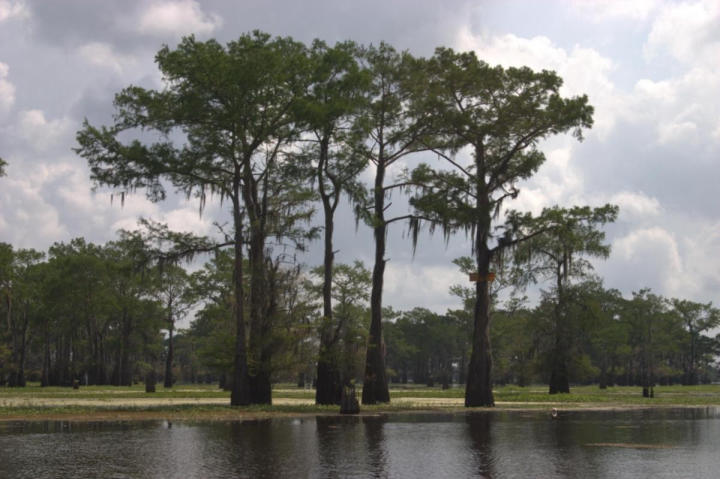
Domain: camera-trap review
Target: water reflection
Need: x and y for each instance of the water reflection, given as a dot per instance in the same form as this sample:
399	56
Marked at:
660	443
479	430
375	443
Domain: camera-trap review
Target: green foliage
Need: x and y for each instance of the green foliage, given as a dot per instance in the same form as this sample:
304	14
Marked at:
502	114
422	346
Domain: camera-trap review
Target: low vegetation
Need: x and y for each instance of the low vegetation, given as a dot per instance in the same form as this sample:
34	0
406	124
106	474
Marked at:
192	402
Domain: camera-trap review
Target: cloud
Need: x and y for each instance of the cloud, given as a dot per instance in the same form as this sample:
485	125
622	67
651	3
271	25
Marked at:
557	182
7	90
681	109
102	55
636	206
646	257
584	70
602	10
177	18
702	280
28	219
39	134
12	9
411	285
42	202
688	31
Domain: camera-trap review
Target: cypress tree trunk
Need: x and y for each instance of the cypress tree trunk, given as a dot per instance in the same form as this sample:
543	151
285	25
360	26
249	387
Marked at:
329	386
375	387
45	379
259	347
259	386
169	359
559	381
603	375
559	378
240	395
150	381
478	390
348	402
125	370
101	373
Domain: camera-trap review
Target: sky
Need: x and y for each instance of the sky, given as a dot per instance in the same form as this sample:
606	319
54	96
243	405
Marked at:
650	68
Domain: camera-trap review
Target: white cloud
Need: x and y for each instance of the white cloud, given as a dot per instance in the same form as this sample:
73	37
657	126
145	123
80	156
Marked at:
702	281
29	220
646	257
600	10
40	134
557	182
7	90
681	132
584	70
679	109
177	18
410	285
12	9
102	55
688	31
636	206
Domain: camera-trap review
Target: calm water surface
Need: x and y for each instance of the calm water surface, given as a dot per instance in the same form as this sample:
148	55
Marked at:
664	443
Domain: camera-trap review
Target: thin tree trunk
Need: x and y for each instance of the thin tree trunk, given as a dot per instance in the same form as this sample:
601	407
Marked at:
375	387
559	378
169	359
125	372
23	351
329	387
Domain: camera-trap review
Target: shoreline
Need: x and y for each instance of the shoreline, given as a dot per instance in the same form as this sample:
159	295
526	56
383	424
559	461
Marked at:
228	413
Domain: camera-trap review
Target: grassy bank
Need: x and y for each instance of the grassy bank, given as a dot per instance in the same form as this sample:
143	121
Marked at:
207	402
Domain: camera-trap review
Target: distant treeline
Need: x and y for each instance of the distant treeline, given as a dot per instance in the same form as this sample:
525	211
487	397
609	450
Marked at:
102	314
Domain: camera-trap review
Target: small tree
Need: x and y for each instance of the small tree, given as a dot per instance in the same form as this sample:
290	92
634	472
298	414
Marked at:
173	290
559	254
500	115
330	111
696	318
393	134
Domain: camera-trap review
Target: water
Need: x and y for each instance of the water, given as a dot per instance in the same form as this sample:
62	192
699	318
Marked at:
659	443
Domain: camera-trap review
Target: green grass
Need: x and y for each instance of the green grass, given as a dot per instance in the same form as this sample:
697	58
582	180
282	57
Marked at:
512	397
136	391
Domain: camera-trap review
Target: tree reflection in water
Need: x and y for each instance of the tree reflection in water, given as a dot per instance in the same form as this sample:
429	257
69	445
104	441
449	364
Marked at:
375	440
479	427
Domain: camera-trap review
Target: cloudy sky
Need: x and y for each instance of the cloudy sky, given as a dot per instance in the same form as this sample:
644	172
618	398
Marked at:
650	68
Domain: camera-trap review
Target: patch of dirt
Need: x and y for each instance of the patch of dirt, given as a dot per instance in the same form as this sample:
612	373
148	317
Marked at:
134	402
629	445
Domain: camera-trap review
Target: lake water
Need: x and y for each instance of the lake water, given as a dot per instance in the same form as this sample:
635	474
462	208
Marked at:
658	443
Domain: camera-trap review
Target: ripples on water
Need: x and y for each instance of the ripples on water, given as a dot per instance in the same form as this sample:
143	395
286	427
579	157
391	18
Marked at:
659	443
